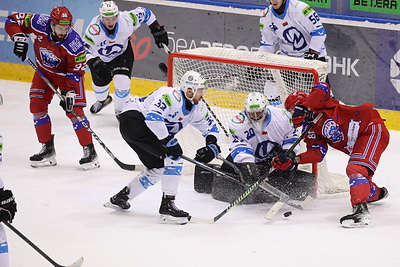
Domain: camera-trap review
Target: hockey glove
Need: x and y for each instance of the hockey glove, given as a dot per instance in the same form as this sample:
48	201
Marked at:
160	34
8	207
99	68
283	163
311	55
20	45
68	100
207	153
301	114
173	149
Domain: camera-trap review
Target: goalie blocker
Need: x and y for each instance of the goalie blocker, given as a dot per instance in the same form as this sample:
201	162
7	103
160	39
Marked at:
297	184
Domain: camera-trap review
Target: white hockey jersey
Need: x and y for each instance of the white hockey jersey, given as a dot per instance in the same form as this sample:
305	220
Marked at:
166	114
99	43
296	30
249	143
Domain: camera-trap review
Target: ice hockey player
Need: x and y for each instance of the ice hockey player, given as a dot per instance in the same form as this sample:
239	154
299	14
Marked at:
61	57
297	30
295	27
8	208
257	134
109	50
149	124
358	131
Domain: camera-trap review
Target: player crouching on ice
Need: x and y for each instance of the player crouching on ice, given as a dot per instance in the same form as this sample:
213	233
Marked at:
149	124
257	134
359	132
61	57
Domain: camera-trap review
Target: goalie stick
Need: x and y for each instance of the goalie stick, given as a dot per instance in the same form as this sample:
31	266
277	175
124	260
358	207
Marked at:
163	67
78	263
121	164
282	199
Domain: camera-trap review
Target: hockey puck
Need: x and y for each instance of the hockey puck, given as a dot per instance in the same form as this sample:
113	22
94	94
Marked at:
287	214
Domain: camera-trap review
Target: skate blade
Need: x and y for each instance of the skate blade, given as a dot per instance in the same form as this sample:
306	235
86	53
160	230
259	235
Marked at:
114	207
91	165
44	163
167	219
362	223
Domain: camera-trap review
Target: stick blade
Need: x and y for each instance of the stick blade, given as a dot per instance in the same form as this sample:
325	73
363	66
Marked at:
78	263
274	210
201	220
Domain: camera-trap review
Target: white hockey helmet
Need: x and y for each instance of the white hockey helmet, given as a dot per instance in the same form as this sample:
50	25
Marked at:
256	106
194	81
108	9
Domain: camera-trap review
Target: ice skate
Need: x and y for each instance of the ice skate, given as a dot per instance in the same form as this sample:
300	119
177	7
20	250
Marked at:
120	201
384	193
99	105
90	159
359	218
170	214
46	157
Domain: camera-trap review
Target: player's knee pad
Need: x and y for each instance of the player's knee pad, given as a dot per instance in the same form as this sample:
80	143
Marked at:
355	170
122	85
38	106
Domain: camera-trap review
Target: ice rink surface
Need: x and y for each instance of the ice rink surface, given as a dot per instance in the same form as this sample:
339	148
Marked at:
60	209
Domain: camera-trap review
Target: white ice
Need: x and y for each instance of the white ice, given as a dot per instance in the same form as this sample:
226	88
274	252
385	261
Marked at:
60	209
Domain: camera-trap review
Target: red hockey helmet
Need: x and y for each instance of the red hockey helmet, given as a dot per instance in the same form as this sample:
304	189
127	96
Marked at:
295	98
61	15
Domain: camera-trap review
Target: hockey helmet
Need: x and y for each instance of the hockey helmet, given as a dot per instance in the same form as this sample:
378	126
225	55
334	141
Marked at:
295	98
194	81
61	15
108	9
256	106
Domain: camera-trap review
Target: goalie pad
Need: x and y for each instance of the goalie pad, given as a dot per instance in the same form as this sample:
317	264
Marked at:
203	179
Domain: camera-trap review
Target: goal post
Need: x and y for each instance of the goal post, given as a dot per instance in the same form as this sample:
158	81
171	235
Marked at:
232	74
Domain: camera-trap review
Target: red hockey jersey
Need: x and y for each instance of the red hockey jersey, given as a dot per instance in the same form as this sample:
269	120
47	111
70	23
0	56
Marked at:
66	59
339	127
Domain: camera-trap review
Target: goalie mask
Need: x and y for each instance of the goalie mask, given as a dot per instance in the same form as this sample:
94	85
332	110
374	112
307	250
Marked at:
194	86
256	107
295	98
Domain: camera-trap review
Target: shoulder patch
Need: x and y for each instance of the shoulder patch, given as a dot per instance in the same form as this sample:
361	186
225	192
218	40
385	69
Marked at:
307	10
81	58
88	39
27	20
261	26
94	29
134	19
232	131
239	118
167	99
177	95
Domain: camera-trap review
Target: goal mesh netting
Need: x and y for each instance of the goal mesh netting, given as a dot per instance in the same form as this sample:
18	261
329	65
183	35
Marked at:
232	74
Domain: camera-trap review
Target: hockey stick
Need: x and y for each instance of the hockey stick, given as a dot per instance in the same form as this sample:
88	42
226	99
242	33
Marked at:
163	67
78	263
121	164
276	207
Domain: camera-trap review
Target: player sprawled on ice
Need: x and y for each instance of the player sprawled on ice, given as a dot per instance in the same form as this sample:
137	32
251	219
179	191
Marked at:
257	135
297	30
109	51
61	57
359	132
8	208
149	124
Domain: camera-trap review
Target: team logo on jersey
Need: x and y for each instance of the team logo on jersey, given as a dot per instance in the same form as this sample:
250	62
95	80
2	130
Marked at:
110	50
75	44
94	29
42	20
49	59
332	131
239	118
295	37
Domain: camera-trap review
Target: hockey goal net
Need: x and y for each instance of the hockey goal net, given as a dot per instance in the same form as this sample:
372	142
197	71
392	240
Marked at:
232	74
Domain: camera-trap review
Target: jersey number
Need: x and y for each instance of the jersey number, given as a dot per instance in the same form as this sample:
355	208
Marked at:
314	18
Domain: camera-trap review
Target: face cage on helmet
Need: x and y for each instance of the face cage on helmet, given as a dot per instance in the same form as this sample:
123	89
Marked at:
258	115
